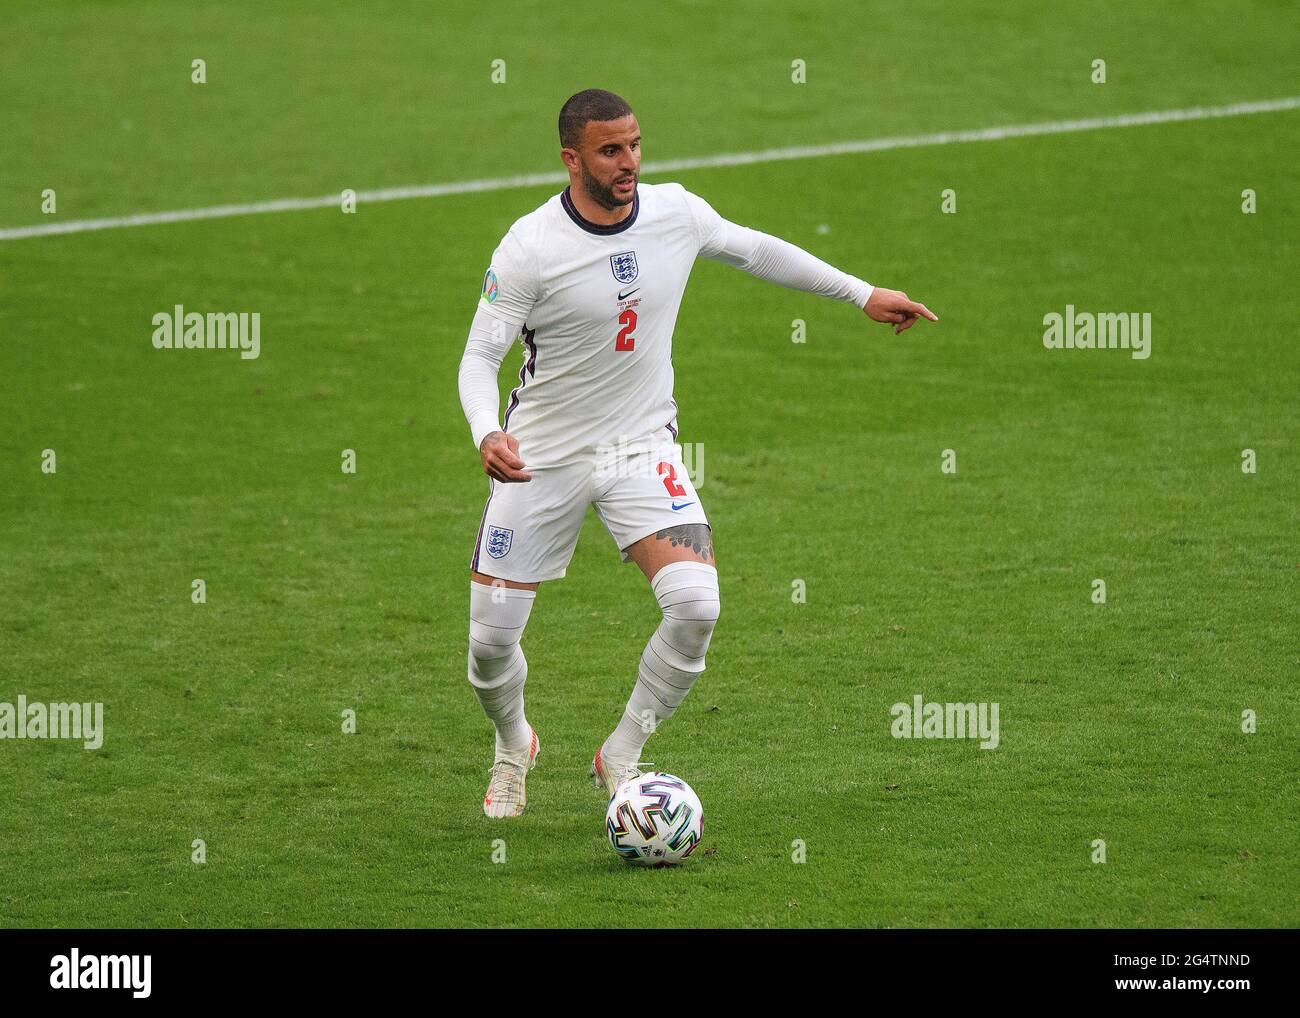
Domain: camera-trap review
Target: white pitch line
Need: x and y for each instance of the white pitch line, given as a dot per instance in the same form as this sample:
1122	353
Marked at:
771	155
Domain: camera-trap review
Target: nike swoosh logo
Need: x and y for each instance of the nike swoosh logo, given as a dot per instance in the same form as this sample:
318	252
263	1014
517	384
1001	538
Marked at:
682	506
625	296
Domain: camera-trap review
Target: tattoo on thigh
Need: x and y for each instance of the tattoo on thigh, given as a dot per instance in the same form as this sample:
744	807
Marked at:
696	536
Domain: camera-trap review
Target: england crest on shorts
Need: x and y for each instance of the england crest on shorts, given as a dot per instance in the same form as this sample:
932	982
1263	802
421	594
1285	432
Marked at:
498	541
624	266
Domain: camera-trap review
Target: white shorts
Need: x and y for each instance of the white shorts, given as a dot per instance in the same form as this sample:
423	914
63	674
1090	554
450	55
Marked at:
530	528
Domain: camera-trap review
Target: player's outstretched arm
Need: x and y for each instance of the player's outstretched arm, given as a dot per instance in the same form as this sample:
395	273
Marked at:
894	307
779	261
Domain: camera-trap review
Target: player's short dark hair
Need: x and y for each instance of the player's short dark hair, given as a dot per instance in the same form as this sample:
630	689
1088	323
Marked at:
589	104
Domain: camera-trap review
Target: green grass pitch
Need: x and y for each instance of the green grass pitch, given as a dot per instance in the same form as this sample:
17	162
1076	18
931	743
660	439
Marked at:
329	592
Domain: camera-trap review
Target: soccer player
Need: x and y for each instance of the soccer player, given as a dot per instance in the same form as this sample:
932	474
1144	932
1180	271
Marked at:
590	283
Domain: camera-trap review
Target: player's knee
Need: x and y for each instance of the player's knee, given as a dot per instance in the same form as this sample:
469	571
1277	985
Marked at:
688	594
497	616
489	654
700	612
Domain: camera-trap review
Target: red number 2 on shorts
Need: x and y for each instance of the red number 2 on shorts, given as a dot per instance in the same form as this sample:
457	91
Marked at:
670	482
625	338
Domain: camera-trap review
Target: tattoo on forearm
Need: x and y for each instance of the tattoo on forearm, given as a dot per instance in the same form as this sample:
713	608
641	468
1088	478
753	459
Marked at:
697	536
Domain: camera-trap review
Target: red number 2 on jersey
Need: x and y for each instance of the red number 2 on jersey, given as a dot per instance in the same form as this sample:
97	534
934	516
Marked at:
625	338
670	482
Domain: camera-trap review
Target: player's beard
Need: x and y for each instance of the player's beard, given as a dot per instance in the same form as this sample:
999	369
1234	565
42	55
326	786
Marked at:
604	195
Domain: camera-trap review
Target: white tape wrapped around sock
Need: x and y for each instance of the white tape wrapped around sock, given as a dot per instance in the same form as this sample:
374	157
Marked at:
497	667
674	656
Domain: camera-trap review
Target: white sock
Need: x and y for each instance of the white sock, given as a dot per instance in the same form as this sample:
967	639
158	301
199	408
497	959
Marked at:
497	667
673	658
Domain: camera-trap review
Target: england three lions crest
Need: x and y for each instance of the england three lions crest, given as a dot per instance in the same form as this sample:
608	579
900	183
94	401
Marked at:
498	541
624	266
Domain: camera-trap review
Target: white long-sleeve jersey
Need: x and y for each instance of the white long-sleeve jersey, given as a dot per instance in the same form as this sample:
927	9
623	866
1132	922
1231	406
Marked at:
594	307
